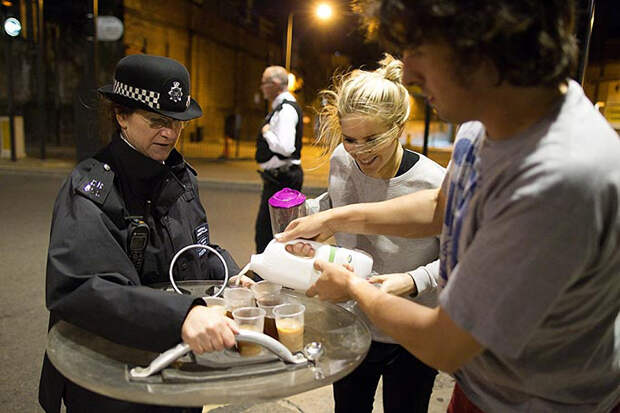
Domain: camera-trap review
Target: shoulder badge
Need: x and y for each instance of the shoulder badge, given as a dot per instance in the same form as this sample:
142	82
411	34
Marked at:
96	183
191	168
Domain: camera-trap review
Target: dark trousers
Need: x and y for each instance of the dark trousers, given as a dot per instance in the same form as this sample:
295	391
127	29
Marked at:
54	387
407	382
274	180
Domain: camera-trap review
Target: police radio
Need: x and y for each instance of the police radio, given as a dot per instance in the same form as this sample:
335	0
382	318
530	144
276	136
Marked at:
137	240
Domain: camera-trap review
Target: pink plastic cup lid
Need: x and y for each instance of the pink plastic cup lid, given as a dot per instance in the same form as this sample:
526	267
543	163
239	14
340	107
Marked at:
287	198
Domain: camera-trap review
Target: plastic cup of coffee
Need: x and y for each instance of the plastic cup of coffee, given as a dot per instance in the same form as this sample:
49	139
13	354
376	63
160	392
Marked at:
237	297
290	325
216	303
253	319
268	303
265	287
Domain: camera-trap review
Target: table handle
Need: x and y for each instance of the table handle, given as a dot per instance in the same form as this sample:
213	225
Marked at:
166	358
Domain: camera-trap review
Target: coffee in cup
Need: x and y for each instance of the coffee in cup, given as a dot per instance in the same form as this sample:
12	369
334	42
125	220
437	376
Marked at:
290	325
268	303
253	319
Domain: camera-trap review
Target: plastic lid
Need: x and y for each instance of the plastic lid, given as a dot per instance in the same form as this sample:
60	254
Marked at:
287	198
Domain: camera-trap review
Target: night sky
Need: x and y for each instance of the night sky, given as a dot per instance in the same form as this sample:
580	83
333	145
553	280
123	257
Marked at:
342	34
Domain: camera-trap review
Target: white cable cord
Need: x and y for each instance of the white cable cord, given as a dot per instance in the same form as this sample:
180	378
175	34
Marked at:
182	250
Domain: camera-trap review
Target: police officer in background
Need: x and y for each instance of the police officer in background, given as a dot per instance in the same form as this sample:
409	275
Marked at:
118	221
278	147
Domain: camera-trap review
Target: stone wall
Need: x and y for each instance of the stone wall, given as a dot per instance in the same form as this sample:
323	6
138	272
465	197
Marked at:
225	61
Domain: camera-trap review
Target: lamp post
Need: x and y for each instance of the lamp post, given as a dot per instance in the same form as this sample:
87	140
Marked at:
584	51
12	28
323	12
289	41
87	136
41	81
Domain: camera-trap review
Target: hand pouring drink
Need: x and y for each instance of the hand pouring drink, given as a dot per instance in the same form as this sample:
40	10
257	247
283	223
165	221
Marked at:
279	266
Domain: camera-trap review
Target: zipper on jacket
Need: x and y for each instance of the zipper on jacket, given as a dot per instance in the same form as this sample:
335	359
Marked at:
147	211
165	221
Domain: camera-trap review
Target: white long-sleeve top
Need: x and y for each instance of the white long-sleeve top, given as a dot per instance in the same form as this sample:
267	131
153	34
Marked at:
417	257
281	134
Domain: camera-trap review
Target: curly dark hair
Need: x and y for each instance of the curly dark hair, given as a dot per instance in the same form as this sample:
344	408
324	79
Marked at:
106	112
531	42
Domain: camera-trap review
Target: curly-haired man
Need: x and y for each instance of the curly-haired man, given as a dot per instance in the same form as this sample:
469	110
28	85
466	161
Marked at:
529	212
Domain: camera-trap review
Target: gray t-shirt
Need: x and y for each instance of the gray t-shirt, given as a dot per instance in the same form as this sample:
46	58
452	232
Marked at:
530	250
349	185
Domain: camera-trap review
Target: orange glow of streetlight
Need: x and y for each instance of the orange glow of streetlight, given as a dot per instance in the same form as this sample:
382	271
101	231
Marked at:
324	11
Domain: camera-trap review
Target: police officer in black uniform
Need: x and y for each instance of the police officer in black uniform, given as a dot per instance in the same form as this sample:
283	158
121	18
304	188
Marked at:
118	221
278	147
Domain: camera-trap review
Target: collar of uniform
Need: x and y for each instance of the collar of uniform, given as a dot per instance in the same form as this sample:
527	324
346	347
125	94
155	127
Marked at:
138	166
175	161
138	177
281	97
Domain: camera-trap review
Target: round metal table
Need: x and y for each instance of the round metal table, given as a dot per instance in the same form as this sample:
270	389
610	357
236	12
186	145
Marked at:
100	365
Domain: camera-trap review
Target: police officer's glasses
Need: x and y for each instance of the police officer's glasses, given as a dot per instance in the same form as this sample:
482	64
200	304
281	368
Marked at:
160	122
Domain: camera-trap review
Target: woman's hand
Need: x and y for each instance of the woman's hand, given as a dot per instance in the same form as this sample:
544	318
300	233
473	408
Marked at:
395	284
206	329
312	227
301	249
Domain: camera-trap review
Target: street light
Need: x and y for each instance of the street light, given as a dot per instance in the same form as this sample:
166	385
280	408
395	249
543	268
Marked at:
12	27
323	12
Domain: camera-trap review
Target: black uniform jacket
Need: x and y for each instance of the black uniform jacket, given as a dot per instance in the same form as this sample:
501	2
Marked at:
92	283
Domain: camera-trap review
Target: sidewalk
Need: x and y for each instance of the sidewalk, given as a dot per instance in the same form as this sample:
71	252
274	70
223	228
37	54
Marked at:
235	171
241	172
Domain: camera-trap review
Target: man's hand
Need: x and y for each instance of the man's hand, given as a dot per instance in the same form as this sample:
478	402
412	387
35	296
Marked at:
265	129
335	282
206	329
395	284
311	227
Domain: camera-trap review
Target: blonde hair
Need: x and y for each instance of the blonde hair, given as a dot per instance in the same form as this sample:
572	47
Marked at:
379	95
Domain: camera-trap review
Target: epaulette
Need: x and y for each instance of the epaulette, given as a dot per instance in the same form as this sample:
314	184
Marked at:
191	168
97	180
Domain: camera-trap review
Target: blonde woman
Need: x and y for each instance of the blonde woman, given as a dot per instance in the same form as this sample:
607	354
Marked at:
360	125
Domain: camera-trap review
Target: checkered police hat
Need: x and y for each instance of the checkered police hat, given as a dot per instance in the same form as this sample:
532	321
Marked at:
153	83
